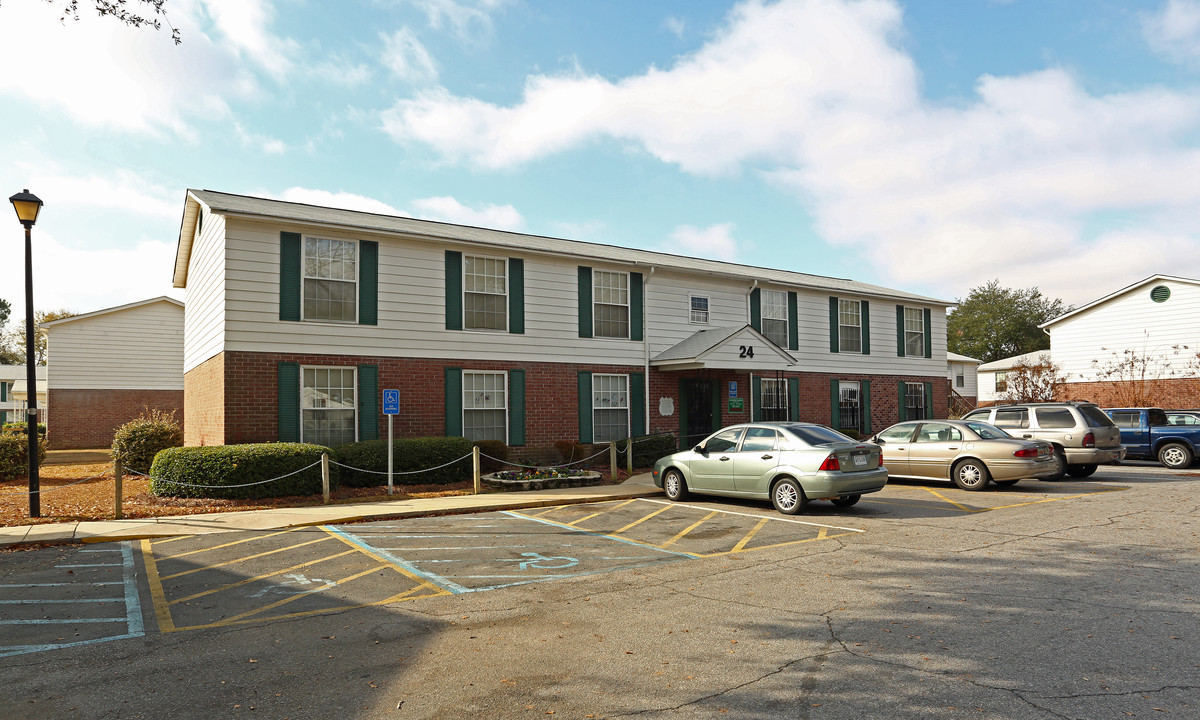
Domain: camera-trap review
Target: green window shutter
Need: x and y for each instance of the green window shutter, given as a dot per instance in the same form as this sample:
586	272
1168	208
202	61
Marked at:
717	405
864	309
928	400
454	402
865	394
3	391
834	340
288	392
368	402
756	309
454	293
585	406
793	322
928	334
756	397
902	414
835	404
635	306
637	404
900	331
289	276
516	407
793	399
516	297
368	282
585	306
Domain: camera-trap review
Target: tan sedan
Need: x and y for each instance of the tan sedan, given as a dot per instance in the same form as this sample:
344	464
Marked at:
968	452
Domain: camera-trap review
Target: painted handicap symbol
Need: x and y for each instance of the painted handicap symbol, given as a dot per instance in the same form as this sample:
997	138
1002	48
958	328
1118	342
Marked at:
544	562
297	584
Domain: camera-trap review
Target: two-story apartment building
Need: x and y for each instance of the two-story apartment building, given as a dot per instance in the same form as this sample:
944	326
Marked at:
297	317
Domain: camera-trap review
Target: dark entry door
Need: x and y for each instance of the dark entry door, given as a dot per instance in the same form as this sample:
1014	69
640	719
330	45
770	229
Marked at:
698	419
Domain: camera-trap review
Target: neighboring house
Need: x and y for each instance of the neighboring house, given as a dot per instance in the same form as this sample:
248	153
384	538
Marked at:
1153	322
110	366
14	399
299	316
993	376
963	373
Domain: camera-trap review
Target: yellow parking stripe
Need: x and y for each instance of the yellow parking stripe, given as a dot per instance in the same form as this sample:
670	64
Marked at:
421	582
161	612
586	517
750	535
635	523
230	586
230	544
406	595
1053	499
960	506
297	596
690	528
244	559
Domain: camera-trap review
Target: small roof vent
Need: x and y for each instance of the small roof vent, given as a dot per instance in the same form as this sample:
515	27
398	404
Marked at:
1160	293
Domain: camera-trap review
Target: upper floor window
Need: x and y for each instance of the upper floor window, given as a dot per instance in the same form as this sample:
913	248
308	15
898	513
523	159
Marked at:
849	326
330	280
485	293
960	379
610	304
775	316
699	309
328	406
914	332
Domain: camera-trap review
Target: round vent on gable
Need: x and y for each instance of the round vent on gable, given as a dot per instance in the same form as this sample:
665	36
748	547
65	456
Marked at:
1160	293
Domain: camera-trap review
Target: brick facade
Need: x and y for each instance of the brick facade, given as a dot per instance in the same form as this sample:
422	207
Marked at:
233	397
89	418
1176	393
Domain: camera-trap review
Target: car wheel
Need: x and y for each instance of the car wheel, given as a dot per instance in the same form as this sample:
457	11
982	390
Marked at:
788	497
1175	455
674	485
846	501
1006	483
1061	458
971	475
1081	470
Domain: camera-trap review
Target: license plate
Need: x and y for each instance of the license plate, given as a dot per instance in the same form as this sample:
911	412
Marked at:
860	460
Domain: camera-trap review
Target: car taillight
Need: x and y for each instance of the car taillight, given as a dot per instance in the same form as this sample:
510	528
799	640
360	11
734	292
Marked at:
831	463
1026	452
1089	440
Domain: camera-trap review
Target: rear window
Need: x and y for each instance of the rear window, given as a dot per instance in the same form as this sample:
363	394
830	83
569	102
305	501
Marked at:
817	435
1127	419
987	432
1055	418
1094	416
978	415
1012	418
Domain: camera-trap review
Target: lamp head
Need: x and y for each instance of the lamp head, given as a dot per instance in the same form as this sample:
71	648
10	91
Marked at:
27	206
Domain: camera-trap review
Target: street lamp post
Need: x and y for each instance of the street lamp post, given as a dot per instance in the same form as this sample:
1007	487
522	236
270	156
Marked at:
27	206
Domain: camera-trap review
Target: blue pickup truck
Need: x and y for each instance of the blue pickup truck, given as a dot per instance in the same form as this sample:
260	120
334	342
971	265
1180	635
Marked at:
1147	433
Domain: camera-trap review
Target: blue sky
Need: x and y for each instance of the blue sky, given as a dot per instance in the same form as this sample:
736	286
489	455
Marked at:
928	145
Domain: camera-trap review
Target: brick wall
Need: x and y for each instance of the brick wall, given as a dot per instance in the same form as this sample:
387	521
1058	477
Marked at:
89	418
1171	394
204	403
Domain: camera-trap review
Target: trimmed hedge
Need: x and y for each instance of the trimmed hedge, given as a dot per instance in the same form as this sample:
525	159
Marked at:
408	454
647	449
228	465
489	449
14	454
139	440
22	428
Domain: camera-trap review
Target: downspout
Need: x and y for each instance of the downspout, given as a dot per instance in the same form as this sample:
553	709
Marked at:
646	351
750	390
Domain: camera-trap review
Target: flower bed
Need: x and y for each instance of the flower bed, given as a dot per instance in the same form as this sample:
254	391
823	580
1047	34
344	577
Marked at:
540	479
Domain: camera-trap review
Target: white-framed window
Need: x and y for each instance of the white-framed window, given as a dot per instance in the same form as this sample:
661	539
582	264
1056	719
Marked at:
485	405
914	401
849	326
610	407
774	400
698	307
914	332
960	377
485	293
330	280
328	405
610	304
775	316
1002	381
850	406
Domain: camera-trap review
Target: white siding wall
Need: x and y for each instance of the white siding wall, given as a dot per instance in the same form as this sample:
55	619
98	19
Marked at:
987	387
204	321
139	348
412	309
970	378
1131	321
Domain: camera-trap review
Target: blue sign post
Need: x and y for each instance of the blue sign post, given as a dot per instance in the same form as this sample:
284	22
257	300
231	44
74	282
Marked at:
391	408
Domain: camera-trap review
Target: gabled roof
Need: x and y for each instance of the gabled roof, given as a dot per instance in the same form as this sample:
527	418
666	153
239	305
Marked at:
1009	362
352	220
693	349
955	357
1122	291
118	308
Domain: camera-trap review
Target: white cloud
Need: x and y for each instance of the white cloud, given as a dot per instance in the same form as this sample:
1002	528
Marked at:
1174	31
244	25
715	242
817	96
265	144
447	209
675	26
343	200
407	58
469	19
122	191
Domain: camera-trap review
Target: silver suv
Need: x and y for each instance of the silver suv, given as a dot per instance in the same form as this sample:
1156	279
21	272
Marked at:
1082	435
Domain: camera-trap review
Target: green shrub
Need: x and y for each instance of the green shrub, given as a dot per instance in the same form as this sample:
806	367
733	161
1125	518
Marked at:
14	455
647	449
21	428
408	454
571	451
489	449
226	471
138	441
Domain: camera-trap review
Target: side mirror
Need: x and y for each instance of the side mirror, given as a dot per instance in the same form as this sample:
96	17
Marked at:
877	440
699	449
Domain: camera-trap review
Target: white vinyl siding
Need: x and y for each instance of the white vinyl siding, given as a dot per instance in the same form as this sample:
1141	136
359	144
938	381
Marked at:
610	304
850	326
485	405
204	324
327	406
136	348
610	407
485	293
774	308
330	280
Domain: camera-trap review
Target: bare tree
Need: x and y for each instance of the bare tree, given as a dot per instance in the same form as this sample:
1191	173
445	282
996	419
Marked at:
1140	379
120	10
1033	381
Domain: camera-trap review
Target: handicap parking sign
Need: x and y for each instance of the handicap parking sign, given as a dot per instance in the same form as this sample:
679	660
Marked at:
391	402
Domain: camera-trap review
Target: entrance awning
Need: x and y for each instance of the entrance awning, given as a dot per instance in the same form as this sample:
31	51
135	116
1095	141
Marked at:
726	348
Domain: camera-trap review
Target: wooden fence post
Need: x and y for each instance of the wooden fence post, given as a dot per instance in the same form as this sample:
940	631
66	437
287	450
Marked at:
118	477
612	460
475	467
629	456
325	476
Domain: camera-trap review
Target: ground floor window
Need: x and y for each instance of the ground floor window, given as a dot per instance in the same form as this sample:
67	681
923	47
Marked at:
850	406
774	400
485	405
610	407
327	405
914	401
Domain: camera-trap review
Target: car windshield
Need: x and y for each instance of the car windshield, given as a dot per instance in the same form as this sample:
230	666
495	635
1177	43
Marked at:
817	435
986	431
1094	416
